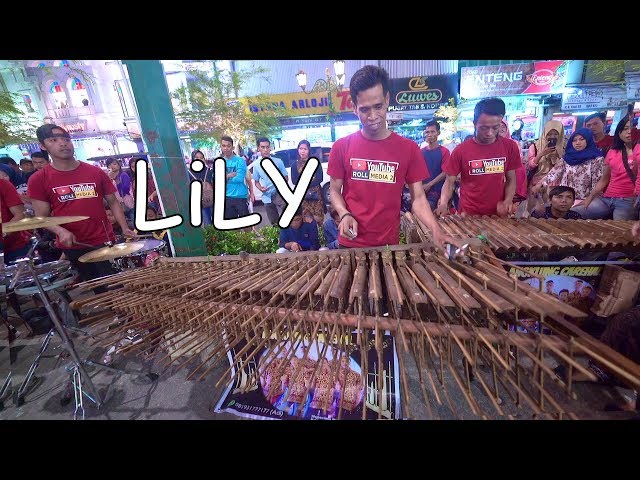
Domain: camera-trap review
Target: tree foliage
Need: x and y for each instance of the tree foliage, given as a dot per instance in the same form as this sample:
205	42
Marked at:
612	70
209	105
447	115
14	127
16	124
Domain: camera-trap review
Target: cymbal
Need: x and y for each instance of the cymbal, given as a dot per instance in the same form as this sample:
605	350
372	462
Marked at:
109	253
31	223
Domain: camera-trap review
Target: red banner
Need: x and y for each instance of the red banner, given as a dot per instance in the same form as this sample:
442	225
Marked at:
513	79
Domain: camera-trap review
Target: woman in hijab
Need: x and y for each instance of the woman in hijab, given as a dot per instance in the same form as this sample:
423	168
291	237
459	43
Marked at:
580	168
543	155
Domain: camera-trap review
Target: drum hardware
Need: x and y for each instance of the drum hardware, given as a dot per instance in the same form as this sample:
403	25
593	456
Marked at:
111	252
31	223
77	366
5	387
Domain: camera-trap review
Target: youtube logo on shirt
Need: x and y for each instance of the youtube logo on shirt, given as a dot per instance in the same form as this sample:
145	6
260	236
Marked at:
75	192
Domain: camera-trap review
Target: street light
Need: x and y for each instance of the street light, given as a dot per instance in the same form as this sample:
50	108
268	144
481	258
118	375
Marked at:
328	85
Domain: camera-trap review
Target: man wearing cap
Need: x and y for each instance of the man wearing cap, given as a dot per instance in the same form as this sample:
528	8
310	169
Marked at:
68	187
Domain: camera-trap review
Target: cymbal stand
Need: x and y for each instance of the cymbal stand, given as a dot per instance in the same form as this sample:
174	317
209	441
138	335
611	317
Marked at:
77	366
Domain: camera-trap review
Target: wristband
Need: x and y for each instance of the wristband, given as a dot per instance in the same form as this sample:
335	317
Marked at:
348	214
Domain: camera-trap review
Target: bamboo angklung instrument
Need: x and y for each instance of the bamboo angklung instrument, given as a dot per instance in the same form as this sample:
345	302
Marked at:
530	234
457	319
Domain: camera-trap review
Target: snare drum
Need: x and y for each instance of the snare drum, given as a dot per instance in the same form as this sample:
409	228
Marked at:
52	275
151	250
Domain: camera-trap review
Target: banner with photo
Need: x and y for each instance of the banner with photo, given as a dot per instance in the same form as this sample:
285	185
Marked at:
575	283
274	384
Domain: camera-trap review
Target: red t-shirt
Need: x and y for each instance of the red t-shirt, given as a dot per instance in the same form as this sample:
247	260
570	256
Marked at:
605	143
374	174
9	198
482	171
76	192
620	185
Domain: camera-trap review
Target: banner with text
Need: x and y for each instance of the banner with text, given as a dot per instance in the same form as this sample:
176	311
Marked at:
575	283
422	93
595	98
312	103
275	383
515	79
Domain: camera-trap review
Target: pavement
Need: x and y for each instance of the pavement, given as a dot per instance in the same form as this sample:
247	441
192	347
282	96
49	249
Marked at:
171	396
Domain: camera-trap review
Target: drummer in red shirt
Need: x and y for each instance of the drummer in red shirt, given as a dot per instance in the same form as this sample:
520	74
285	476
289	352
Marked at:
68	187
483	163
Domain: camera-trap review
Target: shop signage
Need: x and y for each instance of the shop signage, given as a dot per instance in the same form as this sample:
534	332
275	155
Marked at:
515	79
79	126
393	117
296	104
421	93
595	98
633	86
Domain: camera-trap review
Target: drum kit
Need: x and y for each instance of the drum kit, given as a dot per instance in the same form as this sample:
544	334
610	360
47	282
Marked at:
27	278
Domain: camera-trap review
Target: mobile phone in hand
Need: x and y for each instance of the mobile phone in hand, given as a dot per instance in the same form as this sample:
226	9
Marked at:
552	142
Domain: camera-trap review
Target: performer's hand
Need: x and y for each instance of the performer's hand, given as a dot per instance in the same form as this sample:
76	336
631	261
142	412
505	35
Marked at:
439	239
587	201
505	208
442	210
635	230
66	237
127	232
348	227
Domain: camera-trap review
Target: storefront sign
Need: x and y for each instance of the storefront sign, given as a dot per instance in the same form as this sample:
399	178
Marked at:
297	103
595	98
421	93
79	126
633	86
515	79
281	394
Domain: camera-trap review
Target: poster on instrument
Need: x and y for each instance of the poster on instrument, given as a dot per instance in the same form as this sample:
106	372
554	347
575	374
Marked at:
275	383
575	283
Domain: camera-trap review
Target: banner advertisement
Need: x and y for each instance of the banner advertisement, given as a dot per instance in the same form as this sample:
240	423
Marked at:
515	79
283	391
633	86
595	98
308	103
422	93
575	283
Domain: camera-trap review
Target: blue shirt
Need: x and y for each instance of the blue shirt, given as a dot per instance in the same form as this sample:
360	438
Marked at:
570	215
306	236
236	186
331	233
433	159
261	176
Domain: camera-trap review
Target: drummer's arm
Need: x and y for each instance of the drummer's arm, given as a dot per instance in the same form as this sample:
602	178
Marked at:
17	212
118	213
43	209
